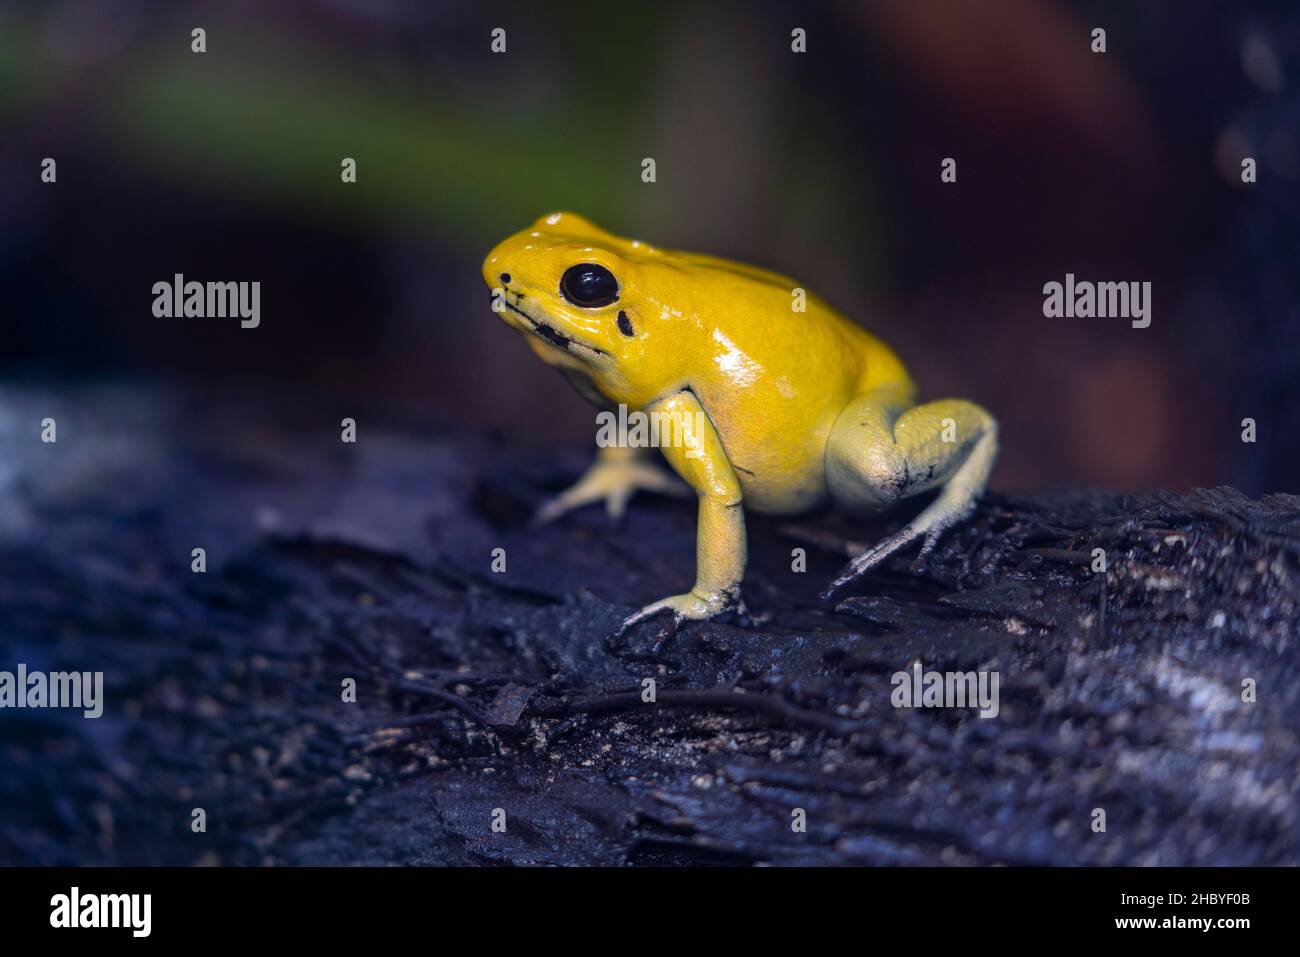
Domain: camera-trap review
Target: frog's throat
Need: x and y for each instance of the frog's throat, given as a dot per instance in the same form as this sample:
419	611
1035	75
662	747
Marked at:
552	335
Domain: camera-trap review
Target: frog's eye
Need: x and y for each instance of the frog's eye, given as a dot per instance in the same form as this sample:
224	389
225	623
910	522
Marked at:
589	285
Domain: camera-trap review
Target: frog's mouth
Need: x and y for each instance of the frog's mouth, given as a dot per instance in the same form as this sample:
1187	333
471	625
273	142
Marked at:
552	335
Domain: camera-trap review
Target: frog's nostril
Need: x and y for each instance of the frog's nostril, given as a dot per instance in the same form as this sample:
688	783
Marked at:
505	278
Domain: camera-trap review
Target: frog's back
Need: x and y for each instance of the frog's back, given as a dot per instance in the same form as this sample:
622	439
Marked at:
820	341
774	379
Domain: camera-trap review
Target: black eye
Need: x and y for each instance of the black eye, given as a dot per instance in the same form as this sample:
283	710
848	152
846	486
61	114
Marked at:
589	285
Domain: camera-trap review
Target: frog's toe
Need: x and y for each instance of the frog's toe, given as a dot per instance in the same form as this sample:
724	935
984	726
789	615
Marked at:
870	559
927	547
553	508
684	608
615	500
616	503
645	614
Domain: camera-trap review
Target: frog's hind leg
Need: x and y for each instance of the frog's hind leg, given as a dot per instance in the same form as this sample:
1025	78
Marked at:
880	452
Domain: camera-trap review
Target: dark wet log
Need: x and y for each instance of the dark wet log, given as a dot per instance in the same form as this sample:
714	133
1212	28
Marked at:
478	691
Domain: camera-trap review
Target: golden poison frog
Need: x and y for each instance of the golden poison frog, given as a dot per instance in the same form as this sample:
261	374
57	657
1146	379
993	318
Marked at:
763	405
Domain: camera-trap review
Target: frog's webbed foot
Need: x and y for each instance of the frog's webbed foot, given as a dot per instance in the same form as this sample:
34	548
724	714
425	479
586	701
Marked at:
615	476
688	607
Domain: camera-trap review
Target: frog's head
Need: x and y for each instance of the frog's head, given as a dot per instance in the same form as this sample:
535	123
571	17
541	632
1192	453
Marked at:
581	297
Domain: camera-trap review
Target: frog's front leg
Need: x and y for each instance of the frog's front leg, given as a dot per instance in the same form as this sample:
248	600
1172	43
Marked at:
695	451
613	478
880	451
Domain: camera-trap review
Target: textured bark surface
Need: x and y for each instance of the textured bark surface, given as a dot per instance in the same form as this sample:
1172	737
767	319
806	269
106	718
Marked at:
479	691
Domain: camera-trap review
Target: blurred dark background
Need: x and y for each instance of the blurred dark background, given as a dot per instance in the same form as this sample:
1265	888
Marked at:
825	166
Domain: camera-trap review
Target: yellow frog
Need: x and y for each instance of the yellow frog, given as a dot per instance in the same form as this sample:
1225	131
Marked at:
772	406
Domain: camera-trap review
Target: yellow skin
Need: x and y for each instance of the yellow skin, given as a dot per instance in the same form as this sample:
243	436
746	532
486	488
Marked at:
778	409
